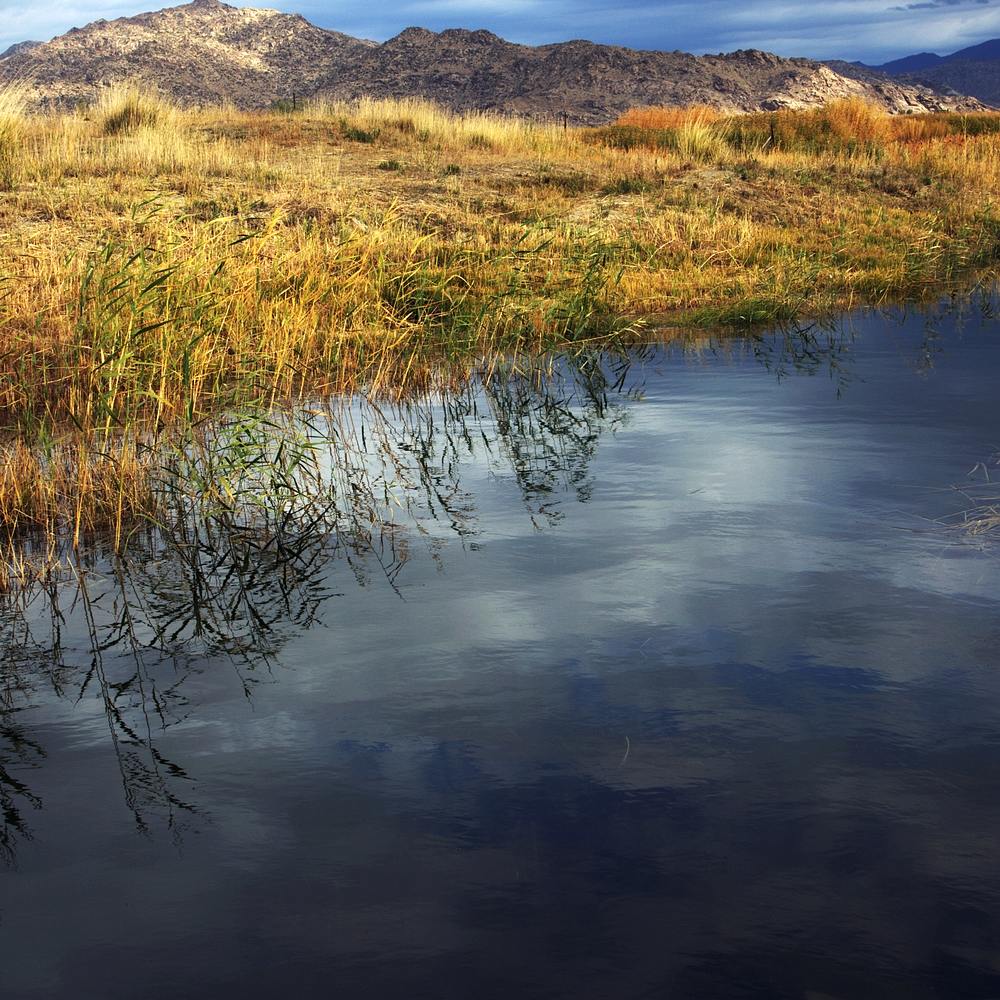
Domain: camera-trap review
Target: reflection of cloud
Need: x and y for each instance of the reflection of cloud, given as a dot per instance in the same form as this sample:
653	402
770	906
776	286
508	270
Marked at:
422	808
865	29
729	706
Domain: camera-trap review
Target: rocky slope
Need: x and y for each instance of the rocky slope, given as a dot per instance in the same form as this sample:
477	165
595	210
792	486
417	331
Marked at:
202	52
19	47
594	83
207	51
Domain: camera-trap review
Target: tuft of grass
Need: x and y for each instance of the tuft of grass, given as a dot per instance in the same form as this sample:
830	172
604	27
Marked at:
355	134
696	131
627	185
569	183
127	108
700	139
415	118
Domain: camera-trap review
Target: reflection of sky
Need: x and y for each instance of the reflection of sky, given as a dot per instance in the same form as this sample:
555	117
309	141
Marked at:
726	729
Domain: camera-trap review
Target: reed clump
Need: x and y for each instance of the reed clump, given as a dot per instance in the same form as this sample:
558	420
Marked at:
160	266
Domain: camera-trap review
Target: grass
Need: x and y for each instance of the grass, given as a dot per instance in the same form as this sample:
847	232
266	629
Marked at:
124	109
13	101
158	267
980	512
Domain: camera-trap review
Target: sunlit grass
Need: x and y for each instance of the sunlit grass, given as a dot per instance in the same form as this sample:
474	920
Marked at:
13	102
159	266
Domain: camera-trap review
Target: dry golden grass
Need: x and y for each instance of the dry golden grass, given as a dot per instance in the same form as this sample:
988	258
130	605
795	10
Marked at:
177	263
126	108
668	117
13	101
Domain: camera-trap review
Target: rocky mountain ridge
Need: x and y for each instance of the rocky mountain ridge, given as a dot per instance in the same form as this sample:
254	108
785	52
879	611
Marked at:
207	52
974	70
203	52
594	83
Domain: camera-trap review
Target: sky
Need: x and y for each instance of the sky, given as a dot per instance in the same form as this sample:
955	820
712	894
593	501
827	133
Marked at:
871	30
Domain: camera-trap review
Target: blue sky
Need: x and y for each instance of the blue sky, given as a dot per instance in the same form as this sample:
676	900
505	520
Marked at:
873	30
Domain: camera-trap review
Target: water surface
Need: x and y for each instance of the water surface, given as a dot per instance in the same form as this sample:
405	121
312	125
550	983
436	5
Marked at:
658	677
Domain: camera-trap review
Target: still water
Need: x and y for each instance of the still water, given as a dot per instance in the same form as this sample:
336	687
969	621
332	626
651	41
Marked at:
660	676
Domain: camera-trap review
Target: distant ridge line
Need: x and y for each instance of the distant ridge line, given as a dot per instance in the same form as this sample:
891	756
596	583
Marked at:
207	51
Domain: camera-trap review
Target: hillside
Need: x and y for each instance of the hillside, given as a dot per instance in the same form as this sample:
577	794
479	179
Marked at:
202	52
979	78
207	52
594	83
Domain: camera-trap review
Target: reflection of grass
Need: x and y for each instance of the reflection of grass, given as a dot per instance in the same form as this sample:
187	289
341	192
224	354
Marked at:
982	513
322	470
158	266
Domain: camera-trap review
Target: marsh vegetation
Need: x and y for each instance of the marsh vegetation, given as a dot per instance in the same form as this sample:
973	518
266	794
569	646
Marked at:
161	268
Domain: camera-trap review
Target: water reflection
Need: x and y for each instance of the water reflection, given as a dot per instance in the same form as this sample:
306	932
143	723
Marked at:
232	575
561	664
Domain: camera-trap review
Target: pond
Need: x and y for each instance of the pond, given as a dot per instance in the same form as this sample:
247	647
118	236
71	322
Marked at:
671	674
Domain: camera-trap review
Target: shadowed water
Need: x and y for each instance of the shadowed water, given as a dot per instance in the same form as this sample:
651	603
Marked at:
658	675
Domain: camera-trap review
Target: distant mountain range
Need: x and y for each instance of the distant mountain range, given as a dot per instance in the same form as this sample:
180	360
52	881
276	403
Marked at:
974	71
207	51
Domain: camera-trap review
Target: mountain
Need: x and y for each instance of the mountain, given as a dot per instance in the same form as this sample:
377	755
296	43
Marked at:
910	64
208	51
987	51
19	47
983	52
594	83
974	70
203	52
978	78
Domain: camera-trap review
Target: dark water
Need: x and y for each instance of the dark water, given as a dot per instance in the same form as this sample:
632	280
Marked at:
657	678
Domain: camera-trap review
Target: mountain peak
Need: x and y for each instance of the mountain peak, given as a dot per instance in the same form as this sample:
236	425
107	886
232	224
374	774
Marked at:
19	47
412	35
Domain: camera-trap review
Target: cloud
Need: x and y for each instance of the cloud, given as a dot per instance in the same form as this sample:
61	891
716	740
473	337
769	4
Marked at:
940	4
854	29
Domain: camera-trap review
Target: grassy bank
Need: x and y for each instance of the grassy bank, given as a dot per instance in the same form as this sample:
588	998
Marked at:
158	265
